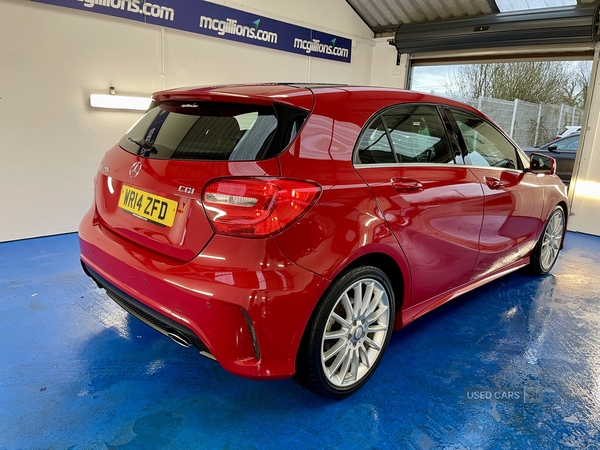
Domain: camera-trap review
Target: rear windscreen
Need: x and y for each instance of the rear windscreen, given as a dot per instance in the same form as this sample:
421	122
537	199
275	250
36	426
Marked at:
214	131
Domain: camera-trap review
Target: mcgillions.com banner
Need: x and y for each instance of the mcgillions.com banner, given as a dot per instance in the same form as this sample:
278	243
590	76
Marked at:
221	22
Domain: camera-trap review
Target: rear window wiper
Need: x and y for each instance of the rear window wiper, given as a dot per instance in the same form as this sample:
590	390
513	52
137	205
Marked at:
144	144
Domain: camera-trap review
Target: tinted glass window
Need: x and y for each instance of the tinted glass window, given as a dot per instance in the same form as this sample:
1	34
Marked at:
213	131
374	146
417	134
567	144
486	146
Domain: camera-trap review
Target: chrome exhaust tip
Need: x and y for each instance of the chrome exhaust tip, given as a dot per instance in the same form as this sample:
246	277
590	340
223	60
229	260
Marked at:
177	338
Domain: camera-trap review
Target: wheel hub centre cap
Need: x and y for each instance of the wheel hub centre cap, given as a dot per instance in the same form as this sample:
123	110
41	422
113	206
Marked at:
358	333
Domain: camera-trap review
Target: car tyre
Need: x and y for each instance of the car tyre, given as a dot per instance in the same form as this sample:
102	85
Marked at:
546	251
348	334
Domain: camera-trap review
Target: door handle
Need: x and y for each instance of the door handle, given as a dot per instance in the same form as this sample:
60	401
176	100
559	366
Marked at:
402	184
493	183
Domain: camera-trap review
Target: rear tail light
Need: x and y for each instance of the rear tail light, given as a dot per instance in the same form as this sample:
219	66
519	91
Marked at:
256	207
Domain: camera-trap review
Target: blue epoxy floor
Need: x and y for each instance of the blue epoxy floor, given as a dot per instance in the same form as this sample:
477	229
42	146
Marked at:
77	373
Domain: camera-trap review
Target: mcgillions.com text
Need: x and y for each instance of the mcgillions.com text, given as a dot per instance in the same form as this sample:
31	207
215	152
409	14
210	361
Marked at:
134	6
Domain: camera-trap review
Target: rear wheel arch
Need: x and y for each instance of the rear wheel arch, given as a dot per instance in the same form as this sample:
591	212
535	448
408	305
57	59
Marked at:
546	251
565	209
382	261
563	205
389	266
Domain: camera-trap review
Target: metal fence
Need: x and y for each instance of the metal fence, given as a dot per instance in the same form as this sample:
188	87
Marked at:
529	124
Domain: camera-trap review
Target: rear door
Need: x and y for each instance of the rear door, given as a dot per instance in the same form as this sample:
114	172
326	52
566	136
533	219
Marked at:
512	208
433	205
149	187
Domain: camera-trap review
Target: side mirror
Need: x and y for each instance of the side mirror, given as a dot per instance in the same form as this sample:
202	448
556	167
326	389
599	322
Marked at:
542	164
553	148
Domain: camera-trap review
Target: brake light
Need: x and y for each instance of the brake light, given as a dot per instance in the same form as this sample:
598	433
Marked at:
256	207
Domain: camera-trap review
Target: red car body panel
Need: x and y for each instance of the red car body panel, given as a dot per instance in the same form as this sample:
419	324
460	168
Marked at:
207	294
437	225
444	228
512	218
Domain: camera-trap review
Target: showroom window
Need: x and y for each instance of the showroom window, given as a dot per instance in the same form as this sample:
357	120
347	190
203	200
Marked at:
486	146
406	134
532	101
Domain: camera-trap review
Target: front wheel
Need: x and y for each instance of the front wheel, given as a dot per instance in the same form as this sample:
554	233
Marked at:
348	334
546	251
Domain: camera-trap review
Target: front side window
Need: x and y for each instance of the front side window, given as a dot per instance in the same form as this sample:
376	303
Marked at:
567	144
486	146
213	131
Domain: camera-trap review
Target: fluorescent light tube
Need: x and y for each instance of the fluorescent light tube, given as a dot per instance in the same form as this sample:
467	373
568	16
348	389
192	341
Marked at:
120	102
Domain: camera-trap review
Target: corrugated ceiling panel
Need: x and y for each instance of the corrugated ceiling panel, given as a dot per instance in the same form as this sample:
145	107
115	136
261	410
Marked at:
386	15
380	14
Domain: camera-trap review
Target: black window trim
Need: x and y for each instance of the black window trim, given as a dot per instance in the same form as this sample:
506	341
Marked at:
388	135
451	131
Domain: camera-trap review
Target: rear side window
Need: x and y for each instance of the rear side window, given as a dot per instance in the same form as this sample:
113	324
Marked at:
418	134
214	131
405	134
374	146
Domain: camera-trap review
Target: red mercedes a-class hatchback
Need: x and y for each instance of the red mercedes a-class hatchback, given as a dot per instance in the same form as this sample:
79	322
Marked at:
286	230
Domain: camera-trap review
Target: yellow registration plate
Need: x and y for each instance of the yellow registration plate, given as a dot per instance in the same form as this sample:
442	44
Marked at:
152	208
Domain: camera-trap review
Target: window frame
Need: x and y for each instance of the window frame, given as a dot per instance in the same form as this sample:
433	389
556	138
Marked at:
379	116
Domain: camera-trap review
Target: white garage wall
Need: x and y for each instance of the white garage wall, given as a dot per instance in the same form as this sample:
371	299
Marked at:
334	15
584	192
53	58
384	71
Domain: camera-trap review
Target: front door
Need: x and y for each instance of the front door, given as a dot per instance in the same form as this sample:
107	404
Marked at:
509	225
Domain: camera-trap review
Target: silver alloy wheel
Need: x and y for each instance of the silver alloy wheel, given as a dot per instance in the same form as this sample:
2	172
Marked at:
355	333
552	240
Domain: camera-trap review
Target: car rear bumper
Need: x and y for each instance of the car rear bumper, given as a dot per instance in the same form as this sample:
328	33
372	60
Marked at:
241	301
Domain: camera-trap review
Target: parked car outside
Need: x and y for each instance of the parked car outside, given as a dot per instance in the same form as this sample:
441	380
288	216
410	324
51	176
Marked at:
563	151
568	131
286	230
